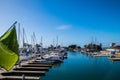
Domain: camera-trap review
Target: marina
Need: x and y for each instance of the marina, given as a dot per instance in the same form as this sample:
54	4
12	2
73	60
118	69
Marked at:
57	63
59	39
32	69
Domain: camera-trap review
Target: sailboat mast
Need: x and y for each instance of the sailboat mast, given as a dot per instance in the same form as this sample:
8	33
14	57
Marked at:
57	41
53	42
35	38
32	40
41	39
19	34
23	37
41	44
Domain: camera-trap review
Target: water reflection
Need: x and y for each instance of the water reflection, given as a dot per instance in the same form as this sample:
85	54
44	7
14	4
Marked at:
57	65
73	53
81	67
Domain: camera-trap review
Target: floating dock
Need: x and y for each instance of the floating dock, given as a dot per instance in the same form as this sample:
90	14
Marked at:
37	62
32	69
115	59
101	55
26	73
18	78
27	70
37	65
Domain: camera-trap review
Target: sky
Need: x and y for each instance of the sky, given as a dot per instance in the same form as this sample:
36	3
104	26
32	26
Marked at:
73	21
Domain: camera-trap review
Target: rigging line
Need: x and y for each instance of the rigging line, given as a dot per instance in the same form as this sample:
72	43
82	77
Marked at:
35	37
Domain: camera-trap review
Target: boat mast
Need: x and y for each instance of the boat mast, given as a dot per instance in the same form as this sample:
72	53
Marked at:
19	34
41	44
53	42
57	41
34	39
23	37
41	39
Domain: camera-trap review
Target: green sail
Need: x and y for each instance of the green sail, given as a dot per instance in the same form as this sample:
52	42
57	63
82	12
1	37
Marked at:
9	49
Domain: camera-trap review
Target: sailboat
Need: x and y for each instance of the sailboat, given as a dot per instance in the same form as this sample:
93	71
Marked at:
9	48
28	51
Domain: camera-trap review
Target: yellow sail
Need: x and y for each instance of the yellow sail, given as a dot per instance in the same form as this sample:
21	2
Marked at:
9	49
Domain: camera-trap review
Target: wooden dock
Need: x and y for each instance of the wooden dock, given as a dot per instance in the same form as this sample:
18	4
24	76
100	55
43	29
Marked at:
115	59
35	69
101	55
32	69
37	62
29	69
26	73
18	78
37	65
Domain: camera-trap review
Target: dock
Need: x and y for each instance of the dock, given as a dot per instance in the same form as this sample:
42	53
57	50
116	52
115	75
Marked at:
26	73
115	59
37	65
101	55
37	62
19	78
32	69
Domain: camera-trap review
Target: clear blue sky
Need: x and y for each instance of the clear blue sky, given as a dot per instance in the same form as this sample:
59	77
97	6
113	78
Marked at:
74	21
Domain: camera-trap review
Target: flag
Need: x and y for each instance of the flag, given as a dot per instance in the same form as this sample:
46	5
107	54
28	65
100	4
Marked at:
9	49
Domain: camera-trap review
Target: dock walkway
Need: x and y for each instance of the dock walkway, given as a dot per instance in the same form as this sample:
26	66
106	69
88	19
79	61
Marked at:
27	70
18	78
115	59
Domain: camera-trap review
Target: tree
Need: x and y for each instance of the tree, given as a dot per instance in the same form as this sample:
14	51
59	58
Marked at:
93	47
85	46
79	47
73	47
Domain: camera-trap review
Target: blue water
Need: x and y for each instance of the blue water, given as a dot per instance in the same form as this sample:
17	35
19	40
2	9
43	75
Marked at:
82	67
